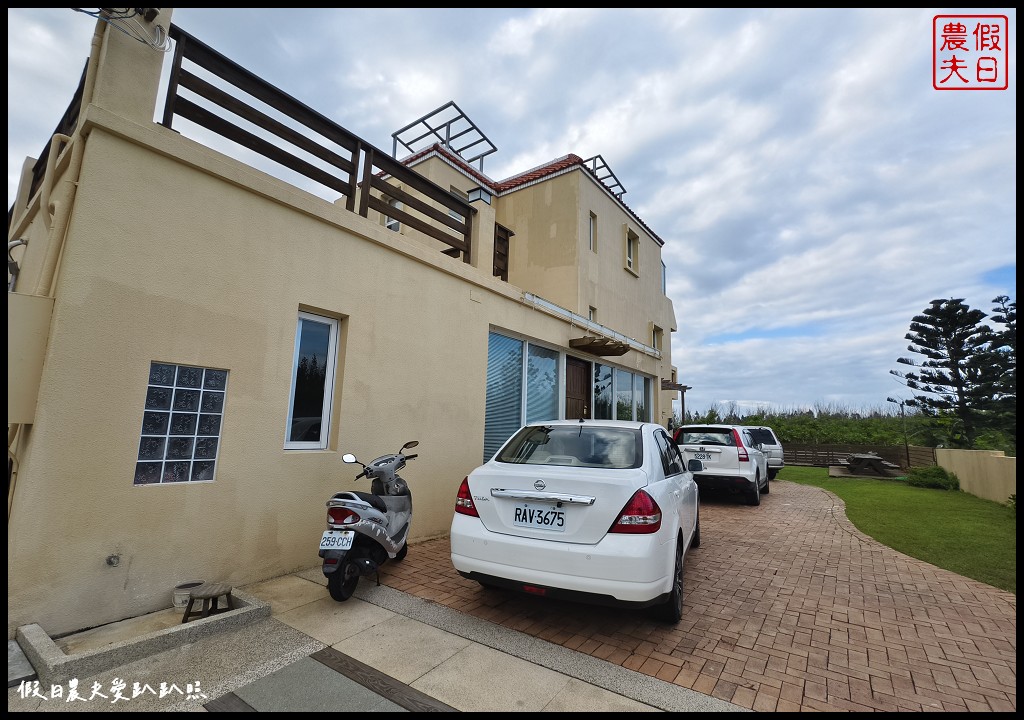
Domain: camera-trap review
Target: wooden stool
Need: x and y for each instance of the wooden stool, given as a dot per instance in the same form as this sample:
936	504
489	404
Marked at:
209	593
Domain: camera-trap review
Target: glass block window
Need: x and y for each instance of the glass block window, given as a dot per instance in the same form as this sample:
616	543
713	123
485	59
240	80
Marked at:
181	424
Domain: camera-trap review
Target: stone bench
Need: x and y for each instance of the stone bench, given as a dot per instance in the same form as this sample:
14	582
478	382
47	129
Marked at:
209	594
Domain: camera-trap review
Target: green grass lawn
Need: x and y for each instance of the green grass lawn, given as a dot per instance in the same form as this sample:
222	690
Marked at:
953	530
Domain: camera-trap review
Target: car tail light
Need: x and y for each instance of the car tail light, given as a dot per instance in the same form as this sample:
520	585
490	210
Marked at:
342	516
641	515
741	449
464	501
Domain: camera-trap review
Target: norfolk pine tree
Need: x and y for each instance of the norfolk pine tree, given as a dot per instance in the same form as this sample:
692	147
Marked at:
957	379
1003	357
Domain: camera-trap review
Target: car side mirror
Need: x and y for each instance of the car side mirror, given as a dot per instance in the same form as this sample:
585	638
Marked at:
694	465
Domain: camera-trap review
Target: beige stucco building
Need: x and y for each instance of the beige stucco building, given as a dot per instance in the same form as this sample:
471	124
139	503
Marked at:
195	339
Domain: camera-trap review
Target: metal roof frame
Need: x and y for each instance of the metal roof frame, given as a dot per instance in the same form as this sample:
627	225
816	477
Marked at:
446	125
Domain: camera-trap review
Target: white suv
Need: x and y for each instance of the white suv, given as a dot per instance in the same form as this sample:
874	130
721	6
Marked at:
771	446
732	459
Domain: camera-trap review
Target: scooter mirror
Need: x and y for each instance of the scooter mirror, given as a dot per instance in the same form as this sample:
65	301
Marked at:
411	444
348	458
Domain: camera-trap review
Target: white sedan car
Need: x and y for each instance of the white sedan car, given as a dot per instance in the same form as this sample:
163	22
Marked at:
597	511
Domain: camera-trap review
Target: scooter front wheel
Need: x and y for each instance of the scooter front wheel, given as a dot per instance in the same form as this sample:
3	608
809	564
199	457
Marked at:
400	555
342	582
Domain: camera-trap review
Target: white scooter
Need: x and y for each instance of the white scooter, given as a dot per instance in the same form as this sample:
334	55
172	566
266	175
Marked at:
364	530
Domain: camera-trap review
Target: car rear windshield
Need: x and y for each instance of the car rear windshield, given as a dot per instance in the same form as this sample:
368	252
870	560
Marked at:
578	445
707	436
763	436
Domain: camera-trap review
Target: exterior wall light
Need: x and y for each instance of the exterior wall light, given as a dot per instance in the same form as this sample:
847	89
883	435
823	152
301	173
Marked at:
480	193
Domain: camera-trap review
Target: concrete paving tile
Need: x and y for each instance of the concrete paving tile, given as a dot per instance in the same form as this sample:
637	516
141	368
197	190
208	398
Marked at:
19	669
330	621
403	648
482	679
309	686
578	696
120	631
286	592
211	666
313	574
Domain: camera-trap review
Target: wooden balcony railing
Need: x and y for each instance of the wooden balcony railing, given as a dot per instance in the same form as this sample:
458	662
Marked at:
336	159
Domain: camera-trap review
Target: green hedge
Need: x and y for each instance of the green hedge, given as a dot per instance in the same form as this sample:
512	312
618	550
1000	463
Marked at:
933	477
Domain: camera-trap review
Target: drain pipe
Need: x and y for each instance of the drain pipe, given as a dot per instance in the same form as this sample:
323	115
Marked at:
57	225
12	265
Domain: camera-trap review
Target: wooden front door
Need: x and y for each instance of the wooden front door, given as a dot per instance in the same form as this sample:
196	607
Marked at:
577	388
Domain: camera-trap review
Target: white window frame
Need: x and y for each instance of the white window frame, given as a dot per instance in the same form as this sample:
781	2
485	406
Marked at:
391	223
331	366
593	232
647	394
632	251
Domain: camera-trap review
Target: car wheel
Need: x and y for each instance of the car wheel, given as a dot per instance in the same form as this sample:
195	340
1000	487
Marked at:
672	609
755	495
696	533
767	487
772	474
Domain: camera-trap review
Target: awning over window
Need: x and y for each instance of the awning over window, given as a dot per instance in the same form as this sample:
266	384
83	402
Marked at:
599	345
667	384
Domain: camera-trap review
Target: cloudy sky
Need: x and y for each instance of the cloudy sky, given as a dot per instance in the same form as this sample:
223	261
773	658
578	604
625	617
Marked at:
813	189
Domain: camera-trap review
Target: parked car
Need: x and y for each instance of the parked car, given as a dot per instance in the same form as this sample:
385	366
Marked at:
596	511
732	459
771	447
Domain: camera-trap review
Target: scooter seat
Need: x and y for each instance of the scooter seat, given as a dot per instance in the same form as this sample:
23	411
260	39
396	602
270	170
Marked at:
374	500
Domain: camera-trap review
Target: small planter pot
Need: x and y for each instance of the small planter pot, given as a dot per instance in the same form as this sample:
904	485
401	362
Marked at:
180	596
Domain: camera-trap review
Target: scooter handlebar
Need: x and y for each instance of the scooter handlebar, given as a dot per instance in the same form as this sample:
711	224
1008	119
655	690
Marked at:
410	457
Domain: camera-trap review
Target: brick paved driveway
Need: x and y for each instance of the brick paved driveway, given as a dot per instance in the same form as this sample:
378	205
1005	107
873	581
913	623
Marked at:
788	607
